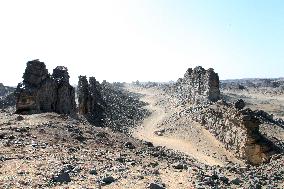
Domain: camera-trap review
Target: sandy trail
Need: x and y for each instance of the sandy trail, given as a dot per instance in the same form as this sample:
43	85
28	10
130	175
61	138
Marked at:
151	123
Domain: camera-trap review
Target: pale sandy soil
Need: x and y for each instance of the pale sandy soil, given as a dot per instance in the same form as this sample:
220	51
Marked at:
273	104
185	136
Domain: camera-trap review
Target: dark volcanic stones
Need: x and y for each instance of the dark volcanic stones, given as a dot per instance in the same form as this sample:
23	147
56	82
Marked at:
41	92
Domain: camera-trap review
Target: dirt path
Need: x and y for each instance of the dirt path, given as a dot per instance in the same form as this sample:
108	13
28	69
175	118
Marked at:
151	124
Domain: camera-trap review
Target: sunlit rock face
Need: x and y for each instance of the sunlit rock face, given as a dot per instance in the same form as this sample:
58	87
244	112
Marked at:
198	86
42	92
201	85
237	129
233	125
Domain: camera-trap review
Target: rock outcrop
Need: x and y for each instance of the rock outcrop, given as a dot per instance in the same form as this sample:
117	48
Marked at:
237	129
90	101
198	86
42	92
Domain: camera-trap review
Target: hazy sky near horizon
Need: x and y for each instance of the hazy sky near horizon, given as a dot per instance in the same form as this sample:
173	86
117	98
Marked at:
156	40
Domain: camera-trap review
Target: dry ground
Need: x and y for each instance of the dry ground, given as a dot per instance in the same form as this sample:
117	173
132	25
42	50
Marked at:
184	136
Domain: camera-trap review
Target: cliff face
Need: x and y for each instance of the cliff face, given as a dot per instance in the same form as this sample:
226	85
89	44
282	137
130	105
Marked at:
237	129
42	92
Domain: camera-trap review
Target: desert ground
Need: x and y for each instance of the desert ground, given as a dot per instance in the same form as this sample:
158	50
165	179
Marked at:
140	135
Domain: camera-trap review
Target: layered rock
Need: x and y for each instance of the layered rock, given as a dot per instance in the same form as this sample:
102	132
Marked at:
237	129
41	92
198	86
90	102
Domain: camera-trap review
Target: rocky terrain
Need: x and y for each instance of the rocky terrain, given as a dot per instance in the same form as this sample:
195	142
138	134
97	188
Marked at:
263	94
7	97
193	133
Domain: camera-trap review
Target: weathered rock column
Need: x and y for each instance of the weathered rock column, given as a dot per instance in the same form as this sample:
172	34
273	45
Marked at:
83	95
90	100
199	86
65	101
39	92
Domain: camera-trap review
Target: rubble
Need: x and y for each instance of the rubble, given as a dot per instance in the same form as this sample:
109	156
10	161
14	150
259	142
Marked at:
42	92
123	109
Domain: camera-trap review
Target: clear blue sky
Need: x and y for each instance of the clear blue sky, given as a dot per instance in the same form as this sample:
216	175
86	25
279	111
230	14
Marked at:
126	40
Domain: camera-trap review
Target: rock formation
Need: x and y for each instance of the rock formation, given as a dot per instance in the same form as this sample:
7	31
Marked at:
237	129
198	86
41	92
83	95
89	99
65	96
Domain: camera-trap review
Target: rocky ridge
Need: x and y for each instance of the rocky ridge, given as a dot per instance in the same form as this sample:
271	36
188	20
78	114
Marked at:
234	126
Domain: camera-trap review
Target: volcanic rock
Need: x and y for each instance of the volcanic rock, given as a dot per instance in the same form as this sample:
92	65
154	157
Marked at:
40	92
90	100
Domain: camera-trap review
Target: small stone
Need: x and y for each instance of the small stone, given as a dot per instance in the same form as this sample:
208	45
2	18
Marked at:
224	179
129	145
240	104
156	186
179	166
62	177
93	171
236	181
149	144
20	118
108	180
